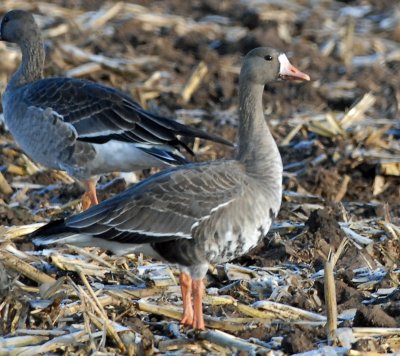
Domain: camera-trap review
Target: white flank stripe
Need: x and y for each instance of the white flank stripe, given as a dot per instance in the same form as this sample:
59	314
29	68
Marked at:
213	210
102	133
157	234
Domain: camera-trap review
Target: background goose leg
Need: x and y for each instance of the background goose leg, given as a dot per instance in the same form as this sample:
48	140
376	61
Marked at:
89	198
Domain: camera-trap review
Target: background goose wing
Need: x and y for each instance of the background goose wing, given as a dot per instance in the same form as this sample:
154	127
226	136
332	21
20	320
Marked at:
162	208
101	113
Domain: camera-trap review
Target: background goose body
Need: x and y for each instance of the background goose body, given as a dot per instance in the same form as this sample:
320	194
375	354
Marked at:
197	214
79	126
97	130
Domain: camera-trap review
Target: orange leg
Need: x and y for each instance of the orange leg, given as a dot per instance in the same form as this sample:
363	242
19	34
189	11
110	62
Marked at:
90	197
198	290
186	289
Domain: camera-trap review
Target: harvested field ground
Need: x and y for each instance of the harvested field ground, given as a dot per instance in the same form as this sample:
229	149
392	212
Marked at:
339	140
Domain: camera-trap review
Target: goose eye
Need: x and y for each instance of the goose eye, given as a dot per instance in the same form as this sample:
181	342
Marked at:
5	19
268	58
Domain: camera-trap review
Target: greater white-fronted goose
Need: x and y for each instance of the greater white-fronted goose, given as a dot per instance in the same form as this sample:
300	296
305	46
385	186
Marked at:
199	213
80	126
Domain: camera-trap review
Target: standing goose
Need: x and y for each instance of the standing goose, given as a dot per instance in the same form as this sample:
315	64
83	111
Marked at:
80	126
198	213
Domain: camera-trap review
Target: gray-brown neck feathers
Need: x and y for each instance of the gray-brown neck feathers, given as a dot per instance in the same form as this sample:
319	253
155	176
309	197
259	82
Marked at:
31	67
257	148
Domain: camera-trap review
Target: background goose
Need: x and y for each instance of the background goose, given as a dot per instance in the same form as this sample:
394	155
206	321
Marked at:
199	213
80	126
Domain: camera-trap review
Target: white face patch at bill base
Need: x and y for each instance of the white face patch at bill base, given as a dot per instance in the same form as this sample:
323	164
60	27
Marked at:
284	63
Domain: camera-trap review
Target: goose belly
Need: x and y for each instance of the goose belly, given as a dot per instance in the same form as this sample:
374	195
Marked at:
121	157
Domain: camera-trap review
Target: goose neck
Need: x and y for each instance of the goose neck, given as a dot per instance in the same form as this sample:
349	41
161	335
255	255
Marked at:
257	148
32	64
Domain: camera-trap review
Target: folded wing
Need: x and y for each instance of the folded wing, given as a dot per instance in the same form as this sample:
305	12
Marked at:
165	207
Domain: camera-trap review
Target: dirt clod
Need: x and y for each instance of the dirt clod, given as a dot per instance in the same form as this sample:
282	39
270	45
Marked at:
297	341
373	316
